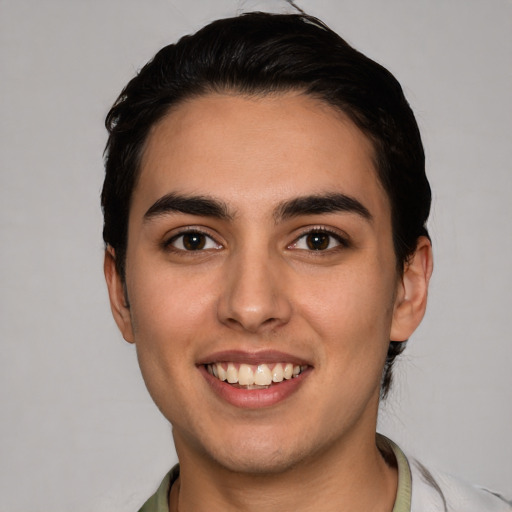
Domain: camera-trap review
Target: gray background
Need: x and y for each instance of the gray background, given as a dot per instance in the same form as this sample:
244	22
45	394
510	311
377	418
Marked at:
78	430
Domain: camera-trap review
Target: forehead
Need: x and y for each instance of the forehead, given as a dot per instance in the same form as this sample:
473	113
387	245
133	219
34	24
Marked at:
254	152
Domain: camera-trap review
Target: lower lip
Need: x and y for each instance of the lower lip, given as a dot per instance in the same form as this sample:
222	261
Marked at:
254	398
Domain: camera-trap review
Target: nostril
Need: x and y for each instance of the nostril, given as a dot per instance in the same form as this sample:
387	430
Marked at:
251	325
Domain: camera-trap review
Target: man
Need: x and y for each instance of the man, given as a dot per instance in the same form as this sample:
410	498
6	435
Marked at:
265	205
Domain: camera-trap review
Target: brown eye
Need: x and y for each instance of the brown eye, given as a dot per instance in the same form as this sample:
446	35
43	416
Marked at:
318	241
193	241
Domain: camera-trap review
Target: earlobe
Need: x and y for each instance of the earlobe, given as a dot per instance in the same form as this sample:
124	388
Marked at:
411	298
118	303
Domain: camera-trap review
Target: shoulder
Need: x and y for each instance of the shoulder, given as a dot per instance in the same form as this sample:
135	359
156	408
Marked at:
435	491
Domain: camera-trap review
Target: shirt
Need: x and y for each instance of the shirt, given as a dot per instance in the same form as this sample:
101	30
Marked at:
419	489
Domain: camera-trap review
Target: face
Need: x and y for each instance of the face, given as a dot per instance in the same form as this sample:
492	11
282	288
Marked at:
261	280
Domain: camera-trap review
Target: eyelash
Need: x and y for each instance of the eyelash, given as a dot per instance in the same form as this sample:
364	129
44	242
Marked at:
168	244
341	241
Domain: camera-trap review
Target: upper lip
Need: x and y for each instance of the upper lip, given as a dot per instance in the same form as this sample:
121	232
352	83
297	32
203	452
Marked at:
253	357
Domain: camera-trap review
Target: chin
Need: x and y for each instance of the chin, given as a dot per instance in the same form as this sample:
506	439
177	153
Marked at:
260	462
259	454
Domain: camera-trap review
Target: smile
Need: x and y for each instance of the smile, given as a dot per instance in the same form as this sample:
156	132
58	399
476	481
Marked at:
250	376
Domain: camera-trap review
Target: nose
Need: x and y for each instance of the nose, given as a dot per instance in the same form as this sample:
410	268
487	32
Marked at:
254	295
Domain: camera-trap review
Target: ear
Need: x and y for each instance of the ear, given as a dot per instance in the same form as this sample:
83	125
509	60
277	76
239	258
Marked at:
116	291
411	297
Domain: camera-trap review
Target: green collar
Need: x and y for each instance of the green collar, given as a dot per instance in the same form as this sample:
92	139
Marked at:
404	489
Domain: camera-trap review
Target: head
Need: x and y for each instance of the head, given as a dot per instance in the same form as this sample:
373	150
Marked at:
261	54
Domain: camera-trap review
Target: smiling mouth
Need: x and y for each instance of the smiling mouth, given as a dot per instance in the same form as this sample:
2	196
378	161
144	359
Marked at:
248	376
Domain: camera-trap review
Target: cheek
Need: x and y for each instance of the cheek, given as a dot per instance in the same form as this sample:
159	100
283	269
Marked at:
168	317
169	303
351	309
173	317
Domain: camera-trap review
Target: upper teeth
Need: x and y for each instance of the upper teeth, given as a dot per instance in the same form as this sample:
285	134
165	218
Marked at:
248	375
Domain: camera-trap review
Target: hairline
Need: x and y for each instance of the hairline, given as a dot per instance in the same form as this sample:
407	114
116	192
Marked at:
256	92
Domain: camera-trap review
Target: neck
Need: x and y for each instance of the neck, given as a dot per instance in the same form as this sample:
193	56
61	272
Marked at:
349	476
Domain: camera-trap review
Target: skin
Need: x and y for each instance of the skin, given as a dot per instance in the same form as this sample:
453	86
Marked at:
256	285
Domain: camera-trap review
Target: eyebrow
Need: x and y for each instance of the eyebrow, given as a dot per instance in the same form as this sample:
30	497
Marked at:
305	205
193	205
320	204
